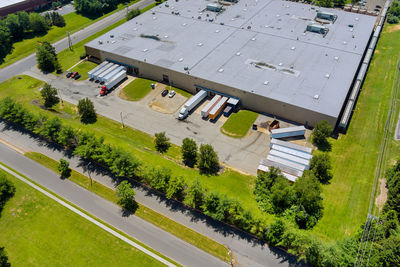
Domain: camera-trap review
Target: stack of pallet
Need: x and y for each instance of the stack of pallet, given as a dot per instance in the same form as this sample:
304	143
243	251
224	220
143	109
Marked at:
291	159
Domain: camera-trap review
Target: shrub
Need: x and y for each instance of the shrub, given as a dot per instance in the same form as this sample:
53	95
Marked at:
195	195
275	232
86	111
126	196
176	187
63	168
320	134
162	143
7	190
49	95
133	13
208	160
189	152
320	165
83	55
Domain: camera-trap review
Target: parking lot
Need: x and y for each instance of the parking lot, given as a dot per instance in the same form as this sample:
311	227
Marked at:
155	113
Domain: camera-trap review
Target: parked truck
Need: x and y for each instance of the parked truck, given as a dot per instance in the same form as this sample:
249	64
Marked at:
113	74
91	72
101	70
191	103
107	87
207	108
218	108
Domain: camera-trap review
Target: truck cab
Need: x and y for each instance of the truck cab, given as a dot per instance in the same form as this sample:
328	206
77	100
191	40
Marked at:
103	91
183	113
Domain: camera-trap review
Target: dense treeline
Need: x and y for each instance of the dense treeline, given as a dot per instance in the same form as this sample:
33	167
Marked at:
394	12
96	8
16	27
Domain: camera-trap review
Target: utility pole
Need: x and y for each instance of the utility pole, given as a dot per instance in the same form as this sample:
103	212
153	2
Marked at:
127	10
69	41
230	254
122	122
58	92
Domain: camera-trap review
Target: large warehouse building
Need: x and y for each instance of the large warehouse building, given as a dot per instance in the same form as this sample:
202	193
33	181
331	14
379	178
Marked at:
12	6
287	59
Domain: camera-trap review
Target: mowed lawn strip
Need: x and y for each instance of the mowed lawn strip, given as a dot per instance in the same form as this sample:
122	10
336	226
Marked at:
354	154
37	230
233	184
159	220
137	89
238	124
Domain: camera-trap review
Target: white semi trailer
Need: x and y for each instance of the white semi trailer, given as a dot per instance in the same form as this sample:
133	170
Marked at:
191	103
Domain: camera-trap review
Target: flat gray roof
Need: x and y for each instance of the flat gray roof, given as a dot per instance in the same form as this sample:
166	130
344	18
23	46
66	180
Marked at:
259	46
4	3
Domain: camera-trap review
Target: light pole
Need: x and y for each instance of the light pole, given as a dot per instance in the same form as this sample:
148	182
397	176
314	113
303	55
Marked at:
230	255
122	122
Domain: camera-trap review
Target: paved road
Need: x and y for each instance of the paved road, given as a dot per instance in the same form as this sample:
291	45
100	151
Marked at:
28	62
110	213
248	251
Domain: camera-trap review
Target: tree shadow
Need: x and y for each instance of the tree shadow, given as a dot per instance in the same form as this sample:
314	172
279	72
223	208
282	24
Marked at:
324	146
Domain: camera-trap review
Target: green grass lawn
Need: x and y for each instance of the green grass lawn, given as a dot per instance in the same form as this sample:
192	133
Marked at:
238	124
354	154
83	69
231	183
143	212
74	22
137	89
37	231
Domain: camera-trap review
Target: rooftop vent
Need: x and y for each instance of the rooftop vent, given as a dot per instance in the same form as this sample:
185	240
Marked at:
266	82
145	50
292	48
100	42
327	16
200	44
217	31
238	53
317	29
316	97
214	7
221	70
327	75
181	59
165	36
253	39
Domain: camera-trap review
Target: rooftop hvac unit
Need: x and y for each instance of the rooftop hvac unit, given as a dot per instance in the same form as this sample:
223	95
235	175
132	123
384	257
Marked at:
327	16
317	29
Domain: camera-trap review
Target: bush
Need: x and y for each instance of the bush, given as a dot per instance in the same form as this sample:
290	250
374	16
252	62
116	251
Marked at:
162	143
7	190
64	169
126	196
189	152
208	160
3	258
320	165
133	13
275	232
49	95
86	111
263	185
392	19
83	55
176	187
320	134
195	195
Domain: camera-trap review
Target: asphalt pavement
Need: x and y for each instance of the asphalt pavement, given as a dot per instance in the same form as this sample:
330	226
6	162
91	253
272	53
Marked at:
28	62
145	232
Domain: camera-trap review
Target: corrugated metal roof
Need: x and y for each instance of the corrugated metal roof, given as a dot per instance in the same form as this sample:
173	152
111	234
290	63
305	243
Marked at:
4	3
290	145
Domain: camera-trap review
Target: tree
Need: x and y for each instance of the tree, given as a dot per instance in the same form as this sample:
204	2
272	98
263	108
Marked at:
308	194
7	190
49	95
63	168
67	137
51	129
160	178
90	8
23	18
320	165
189	152
3	258
16	30
38	24
195	195
275	232
5	42
86	111
133	13
263	185
282	196
320	134
208	160
162	142
212	201
47	58
176	187
126	196
389	254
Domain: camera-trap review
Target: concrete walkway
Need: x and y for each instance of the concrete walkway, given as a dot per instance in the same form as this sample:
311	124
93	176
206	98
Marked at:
247	250
90	219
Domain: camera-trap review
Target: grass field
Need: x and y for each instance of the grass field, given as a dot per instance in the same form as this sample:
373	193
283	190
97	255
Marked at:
231	183
354	154
36	230
238	124
137	89
143	212
83	69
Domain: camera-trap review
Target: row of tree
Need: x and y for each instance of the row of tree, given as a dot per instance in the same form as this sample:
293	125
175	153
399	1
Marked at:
16	27
205	157
96	8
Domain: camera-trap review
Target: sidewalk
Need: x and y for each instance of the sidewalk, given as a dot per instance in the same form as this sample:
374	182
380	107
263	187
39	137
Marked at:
247	250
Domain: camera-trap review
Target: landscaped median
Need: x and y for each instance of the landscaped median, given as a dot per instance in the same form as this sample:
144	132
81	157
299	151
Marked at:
238	124
57	233
208	245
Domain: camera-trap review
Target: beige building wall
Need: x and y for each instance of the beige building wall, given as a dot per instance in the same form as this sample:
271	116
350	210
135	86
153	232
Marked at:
249	100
